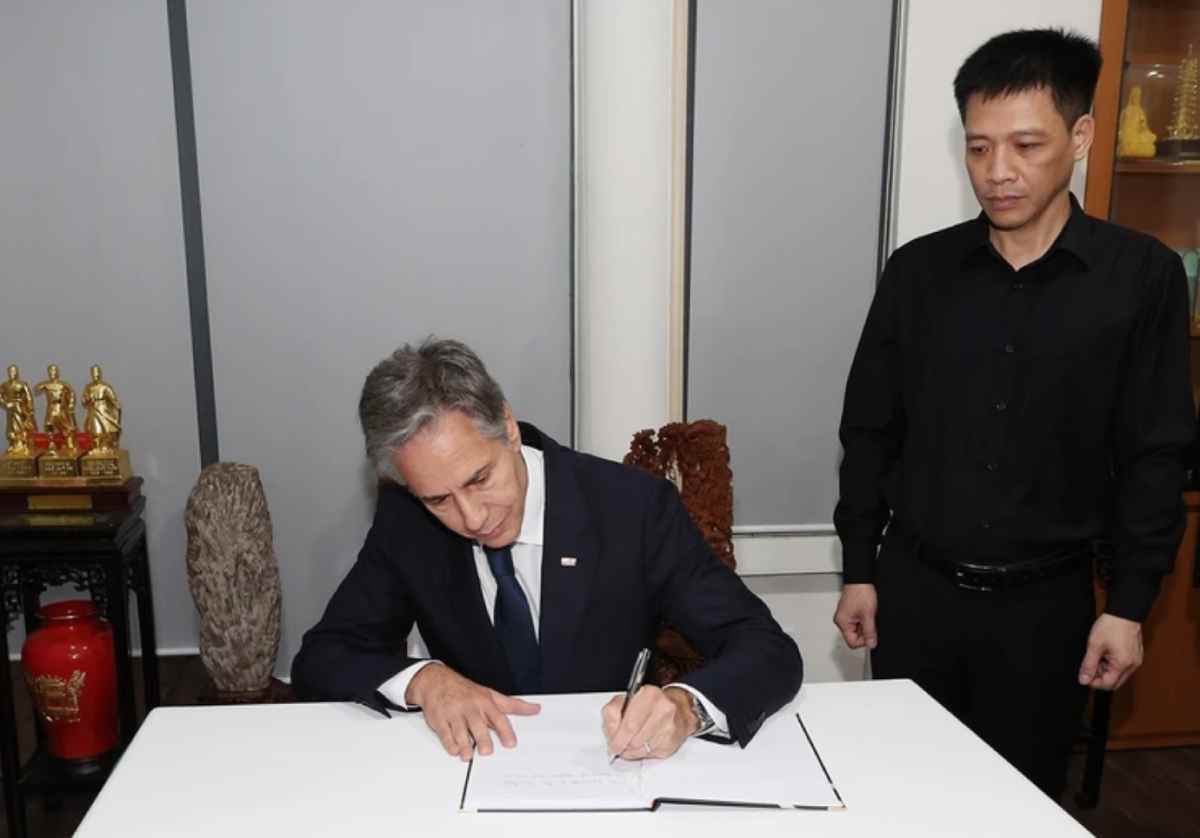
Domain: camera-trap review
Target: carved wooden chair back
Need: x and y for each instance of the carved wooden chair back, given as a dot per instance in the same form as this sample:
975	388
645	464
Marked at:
694	456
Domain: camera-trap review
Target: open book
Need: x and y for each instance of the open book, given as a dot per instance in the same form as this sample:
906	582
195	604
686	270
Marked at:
561	763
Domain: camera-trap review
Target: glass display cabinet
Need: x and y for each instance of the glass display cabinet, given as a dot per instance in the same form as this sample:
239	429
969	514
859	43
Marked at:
1144	173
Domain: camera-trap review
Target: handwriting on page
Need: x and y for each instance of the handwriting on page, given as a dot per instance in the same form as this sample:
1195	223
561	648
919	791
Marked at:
525	780
587	768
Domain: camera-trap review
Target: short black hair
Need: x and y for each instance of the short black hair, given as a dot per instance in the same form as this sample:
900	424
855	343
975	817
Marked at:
1064	63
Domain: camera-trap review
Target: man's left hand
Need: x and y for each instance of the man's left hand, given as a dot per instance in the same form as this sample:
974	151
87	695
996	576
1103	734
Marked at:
655	724
1114	652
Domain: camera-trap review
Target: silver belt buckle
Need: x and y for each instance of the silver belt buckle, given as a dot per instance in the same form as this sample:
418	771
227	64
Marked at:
968	580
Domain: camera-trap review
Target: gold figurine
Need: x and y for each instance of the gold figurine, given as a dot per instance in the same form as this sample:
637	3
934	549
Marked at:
60	419
103	422
60	409
57	460
1134	137
18	402
103	418
17	399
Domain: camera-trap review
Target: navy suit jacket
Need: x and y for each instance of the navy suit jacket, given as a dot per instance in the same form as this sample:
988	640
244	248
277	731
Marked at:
640	564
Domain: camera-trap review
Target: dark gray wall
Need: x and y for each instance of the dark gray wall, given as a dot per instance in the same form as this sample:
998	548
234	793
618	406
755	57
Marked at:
371	173
91	245
790	102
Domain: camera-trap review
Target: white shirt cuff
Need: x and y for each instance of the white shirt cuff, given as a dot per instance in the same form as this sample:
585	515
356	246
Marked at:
395	688
721	723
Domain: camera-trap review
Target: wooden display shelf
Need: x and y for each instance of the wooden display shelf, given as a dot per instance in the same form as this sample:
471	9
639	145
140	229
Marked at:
1155	166
1158	707
1159	31
1166	207
1160	58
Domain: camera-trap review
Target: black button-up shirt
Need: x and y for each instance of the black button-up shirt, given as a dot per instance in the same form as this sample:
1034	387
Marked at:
1003	415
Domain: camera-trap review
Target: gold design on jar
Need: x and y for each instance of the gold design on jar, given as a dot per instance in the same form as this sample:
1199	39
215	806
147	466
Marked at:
57	699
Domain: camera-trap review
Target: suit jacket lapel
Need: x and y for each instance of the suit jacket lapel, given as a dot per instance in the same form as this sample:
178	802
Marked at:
567	533
485	661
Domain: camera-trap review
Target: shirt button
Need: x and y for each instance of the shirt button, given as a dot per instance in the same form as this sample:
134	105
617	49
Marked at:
1009	349
1017	286
1001	406
992	466
987	525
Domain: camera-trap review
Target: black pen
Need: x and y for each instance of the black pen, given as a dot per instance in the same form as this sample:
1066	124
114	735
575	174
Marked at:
635	683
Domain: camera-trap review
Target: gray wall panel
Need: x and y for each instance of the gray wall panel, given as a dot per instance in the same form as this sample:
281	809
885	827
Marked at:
788	151
372	172
91	249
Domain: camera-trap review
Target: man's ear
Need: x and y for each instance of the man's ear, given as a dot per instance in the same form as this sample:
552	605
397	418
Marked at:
511	430
1082	136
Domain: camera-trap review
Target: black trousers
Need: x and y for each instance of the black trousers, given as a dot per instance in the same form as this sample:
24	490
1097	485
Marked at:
1006	663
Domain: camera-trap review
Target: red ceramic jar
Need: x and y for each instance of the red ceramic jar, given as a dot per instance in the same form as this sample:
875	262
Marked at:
70	669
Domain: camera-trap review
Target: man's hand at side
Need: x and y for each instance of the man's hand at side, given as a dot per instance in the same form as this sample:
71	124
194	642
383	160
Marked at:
855	615
655	723
463	713
1114	652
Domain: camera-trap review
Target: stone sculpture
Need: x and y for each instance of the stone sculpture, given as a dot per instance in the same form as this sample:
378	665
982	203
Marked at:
234	579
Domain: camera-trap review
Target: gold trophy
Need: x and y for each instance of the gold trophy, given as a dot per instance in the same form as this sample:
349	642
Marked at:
20	459
59	460
103	422
1183	134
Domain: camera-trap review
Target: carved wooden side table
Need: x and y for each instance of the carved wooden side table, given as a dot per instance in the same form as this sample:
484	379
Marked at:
97	545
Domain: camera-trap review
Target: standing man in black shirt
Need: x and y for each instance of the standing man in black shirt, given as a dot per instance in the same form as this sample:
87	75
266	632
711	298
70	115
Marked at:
1020	395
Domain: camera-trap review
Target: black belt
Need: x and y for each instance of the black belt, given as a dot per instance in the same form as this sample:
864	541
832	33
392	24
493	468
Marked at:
979	576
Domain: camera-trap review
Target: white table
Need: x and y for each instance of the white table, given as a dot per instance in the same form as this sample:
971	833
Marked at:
903	765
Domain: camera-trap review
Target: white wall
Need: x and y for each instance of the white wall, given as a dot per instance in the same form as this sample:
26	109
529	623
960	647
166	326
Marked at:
933	189
91	250
624	179
623	182
91	244
798	575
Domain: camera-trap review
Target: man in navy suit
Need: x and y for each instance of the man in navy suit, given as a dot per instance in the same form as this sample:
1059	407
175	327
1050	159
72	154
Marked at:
529	568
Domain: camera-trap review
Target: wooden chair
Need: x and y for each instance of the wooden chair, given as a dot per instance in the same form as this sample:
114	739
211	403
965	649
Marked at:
695	458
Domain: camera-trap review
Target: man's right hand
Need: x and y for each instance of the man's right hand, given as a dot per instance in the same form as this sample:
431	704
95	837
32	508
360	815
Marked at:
463	713
855	615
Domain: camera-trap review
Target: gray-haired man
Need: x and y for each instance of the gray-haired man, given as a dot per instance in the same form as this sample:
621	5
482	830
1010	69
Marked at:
529	568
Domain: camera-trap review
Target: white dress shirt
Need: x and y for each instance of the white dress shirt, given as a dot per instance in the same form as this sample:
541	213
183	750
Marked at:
527	566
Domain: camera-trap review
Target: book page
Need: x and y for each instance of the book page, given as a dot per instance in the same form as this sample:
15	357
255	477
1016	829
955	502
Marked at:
560	762
779	767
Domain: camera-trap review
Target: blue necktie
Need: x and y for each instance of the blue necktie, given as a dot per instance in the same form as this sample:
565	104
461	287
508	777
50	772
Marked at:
514	624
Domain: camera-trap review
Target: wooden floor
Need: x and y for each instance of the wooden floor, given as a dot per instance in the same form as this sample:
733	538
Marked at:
1146	794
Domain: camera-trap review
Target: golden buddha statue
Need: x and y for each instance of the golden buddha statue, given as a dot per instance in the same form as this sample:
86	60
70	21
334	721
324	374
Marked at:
60	409
1134	137
17	400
